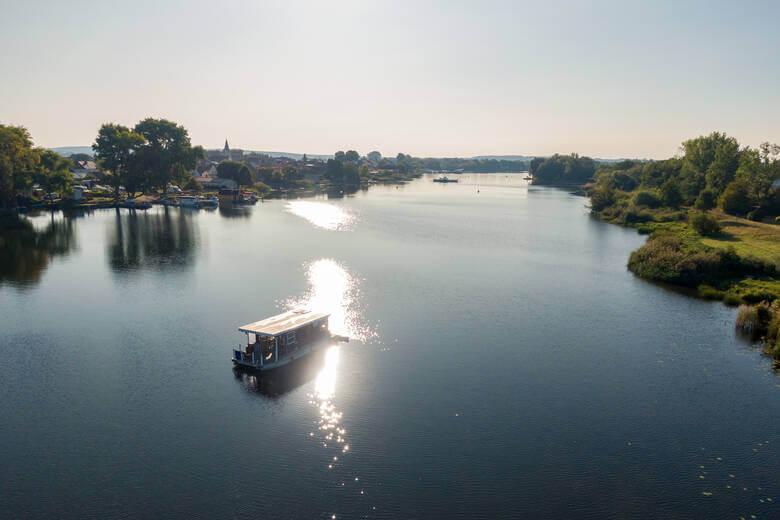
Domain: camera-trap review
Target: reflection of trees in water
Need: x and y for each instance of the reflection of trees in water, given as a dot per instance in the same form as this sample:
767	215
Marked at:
25	252
235	211
146	240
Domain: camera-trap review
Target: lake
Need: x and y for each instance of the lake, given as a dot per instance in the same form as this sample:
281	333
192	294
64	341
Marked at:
503	364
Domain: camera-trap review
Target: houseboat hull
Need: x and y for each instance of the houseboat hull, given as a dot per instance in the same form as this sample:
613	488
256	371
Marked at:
302	352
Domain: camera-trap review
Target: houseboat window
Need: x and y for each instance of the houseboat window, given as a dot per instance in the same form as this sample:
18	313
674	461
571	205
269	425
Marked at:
291	338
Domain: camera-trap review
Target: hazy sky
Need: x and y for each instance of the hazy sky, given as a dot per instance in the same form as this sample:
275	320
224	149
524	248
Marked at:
606	79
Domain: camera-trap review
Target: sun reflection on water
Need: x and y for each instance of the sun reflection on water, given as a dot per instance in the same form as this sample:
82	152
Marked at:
333	290
321	214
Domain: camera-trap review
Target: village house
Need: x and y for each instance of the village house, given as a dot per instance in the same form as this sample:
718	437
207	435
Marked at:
81	169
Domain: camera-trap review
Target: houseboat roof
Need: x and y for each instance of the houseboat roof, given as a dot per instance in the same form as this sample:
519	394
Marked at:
282	323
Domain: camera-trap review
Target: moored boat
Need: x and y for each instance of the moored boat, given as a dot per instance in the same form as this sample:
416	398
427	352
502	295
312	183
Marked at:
188	201
278	340
209	201
445	179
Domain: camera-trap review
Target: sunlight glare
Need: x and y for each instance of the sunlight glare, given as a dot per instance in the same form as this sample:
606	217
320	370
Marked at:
321	214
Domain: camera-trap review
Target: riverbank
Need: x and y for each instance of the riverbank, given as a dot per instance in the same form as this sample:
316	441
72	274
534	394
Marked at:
739	264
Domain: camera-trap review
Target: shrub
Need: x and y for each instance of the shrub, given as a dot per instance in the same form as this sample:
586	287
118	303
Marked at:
706	200
732	299
603	197
709	293
704	224
647	198
635	216
261	188
735	199
665	259
758	295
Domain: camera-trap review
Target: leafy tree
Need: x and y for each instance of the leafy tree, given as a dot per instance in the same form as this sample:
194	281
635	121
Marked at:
80	157
168	151
352	156
53	172
363	171
340	156
375	156
236	171
351	175
17	161
735	199
706	200
647	198
114	147
701	151
334	171
562	169
670	194
724	165
602	197
758	169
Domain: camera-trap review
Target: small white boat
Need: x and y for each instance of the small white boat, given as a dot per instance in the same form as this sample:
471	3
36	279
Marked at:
278	340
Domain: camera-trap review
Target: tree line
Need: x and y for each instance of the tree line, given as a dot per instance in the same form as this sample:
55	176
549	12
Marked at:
562	169
713	171
22	165
150	156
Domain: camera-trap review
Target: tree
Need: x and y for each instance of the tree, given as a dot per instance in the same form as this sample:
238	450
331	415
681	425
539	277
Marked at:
758	169
236	171
562	169
53	172
374	156
352	156
114	147
17	161
169	154
735	198
80	157
602	197
701	151
340	156
351	174
706	200
670	194
334	171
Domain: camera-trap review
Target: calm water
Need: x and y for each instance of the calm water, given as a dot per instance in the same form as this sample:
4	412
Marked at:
503	364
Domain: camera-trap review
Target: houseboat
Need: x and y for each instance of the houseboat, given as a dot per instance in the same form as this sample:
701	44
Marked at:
276	341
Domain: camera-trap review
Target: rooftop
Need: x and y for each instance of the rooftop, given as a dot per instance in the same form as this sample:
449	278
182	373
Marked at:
282	323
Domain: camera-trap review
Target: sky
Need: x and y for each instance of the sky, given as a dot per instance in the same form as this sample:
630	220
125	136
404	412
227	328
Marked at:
601	78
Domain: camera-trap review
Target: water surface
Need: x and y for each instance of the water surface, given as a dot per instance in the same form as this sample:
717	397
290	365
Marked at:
503	364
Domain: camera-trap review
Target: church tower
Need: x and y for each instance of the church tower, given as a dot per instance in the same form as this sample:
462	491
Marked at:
227	148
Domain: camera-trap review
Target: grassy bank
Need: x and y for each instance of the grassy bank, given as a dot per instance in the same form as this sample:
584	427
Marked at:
738	264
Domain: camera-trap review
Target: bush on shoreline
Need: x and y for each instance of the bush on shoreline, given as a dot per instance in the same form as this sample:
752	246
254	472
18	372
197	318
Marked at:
666	259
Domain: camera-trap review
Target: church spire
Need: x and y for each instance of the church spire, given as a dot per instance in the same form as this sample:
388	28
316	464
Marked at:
227	148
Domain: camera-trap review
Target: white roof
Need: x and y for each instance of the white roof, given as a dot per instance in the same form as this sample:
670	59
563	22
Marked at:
284	322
